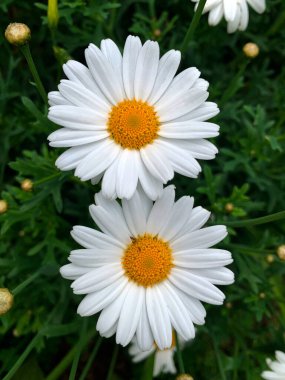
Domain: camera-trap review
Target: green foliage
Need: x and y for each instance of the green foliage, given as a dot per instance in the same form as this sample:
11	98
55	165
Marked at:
42	335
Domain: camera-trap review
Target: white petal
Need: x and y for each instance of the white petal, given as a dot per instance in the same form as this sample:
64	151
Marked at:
127	173
161	211
202	258
244	15
189	130
94	302
157	162
258	5
177	218
167	68
114	56
80	96
196	286
192	99
97	279
216	15
110	223
104	74
56	99
73	156
109	180
158	318
72	272
179	315
131	52
130	315
144	335
204	112
77	118
199	148
93	164
78	73
136	212
90	238
230	9
151	186
66	137
146	70
204	238
198	217
217	276
195	308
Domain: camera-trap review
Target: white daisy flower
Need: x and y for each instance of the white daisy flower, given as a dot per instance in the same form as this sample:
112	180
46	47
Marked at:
235	12
149	268
277	367
128	119
163	359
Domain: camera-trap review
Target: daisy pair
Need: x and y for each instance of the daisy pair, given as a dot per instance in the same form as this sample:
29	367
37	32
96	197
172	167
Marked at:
149	269
235	12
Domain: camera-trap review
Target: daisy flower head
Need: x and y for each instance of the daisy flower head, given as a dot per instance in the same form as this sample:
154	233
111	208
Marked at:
163	359
128	119
235	12
277	367
149	268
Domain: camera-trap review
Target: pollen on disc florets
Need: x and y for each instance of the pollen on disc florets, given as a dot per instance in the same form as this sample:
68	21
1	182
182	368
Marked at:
133	124
147	260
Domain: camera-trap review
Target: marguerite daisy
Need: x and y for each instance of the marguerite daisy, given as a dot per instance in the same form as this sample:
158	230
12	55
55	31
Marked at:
127	119
277	368
149	268
163	359
235	12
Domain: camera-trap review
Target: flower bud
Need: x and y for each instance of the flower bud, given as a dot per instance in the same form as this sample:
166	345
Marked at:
229	207
27	185
262	295
52	14
6	300
18	34
270	259
3	206
184	376
229	305
281	252
251	50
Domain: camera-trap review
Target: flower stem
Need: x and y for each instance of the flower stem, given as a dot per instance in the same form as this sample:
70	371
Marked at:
25	49
25	283
78	351
113	362
193	25
91	359
253	222
179	355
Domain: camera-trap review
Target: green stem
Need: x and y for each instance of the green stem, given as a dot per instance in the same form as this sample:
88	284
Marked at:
193	25
113	362
90	360
61	367
25	49
147	373
46	179
22	358
217	353
253	222
233	86
179	355
78	351
65	362
25	283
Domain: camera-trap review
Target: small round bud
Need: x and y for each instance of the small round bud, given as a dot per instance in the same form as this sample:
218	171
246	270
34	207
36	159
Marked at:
3	206
251	50
6	300
157	32
229	207
281	252
184	376
15	333
27	185
22	233
262	295
229	305
270	259
18	34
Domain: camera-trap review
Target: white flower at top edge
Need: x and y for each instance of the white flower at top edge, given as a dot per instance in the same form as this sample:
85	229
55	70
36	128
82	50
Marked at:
129	119
277	367
235	12
149	268
163	359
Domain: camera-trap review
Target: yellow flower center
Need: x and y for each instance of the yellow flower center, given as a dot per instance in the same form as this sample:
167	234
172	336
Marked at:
147	260
133	124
